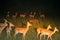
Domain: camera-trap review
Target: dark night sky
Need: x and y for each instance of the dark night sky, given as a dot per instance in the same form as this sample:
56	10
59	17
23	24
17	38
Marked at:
51	6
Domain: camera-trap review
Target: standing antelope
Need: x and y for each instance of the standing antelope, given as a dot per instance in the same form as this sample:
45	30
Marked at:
2	26
22	15
42	16
22	30
9	28
32	15
41	29
34	21
15	15
49	33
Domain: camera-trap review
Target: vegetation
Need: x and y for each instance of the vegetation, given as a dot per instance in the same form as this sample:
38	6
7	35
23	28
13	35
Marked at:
32	33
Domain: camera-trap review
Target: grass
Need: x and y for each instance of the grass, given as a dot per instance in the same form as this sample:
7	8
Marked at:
32	33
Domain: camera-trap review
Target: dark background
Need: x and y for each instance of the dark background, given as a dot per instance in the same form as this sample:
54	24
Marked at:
49	7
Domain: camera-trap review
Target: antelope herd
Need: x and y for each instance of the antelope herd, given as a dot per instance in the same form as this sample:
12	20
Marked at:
40	30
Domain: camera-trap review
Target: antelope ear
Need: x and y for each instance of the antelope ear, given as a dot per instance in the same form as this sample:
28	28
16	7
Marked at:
56	29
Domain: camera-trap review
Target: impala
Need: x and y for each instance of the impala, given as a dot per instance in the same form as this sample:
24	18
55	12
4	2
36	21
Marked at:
42	15
2	26
22	30
41	29
34	21
9	27
32	15
15	15
22	15
49	33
